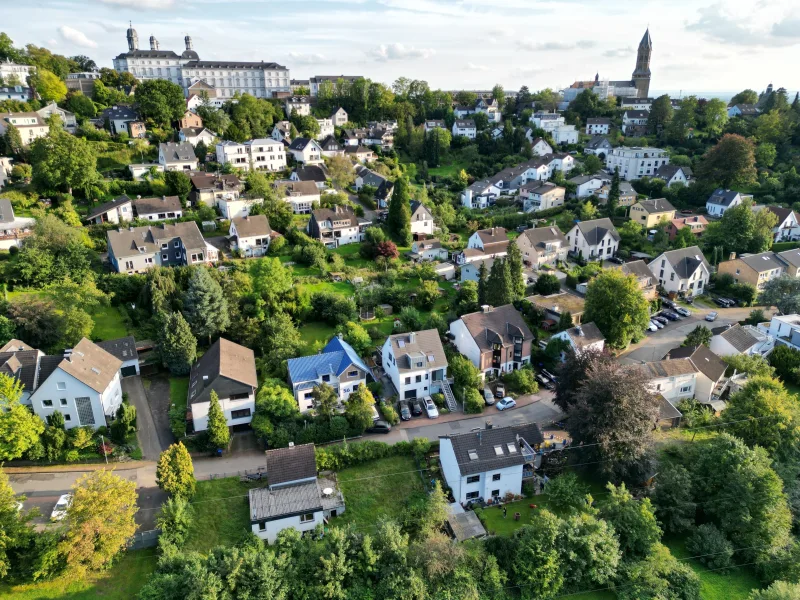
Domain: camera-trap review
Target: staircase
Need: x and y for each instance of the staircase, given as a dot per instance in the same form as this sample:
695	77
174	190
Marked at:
449	397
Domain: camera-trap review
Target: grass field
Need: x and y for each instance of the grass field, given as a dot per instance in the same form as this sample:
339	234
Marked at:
108	324
378	489
221	513
314	332
121	582
449	168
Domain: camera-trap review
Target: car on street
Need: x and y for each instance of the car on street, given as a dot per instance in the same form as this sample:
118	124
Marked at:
499	390
488	397
60	509
652	326
430	408
405	411
416	408
660	319
724	302
505	403
683	311
712	316
379	427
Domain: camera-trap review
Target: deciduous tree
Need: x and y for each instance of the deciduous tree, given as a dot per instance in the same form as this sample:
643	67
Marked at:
178	184
19	427
62	161
615	303
700	335
536	566
672	498
160	101
633	520
589	549
359	407
325	400
731	162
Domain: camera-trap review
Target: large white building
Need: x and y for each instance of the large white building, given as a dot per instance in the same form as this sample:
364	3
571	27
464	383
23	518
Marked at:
263	154
29	124
594	239
415	362
259	79
636	162
12	72
685	270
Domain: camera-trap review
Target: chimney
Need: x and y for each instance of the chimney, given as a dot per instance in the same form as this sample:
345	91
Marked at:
580	331
485	308
732	256
412	337
163	198
488	424
291	444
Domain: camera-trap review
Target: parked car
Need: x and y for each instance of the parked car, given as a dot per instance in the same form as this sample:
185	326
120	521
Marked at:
724	302
488	397
683	311
405	411
505	403
544	382
379	427
667	302
375	415
430	408
616	260
712	316
656	324
549	375
60	509
660	319
499	390
688	299
670	315
416	408
652	326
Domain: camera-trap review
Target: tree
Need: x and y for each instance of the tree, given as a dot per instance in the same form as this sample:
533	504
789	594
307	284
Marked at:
608	407
536	565
325	400
782	292
428	294
779	590
660	115
358	409
715	116
700	335
341	172
753	365
178	184
219	436
592	164
590	553
12	140
175	472
81	105
275	400
659	576
37	322
99	522
747	96
271	281
772	127
125	424
500	287
465	375
160	101
177	346
683	120
784	359
588	210
280	341
175	521
742	230
49	86
613	193
514	260
467	298
398	220
483	284
567	491
205	306
731	162
615	303
672	498
63	161
764	414
15	533
765	154
684	238
547	284
19	427
633	520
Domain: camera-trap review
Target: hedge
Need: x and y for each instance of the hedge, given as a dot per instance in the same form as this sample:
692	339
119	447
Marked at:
334	458
781	246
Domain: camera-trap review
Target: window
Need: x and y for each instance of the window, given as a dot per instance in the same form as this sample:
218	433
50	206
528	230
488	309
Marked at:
165	257
418	379
68	417
307	518
472	495
326	378
352	373
177	244
47	403
63	401
85	412
408	380
496	477
240	414
686	388
495	493
473	479
61	385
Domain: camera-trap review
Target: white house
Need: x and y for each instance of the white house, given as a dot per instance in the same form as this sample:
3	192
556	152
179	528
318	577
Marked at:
675	175
302	104
306	151
685	270
594	239
782	329
325	128
721	200
597	126
756	341
295	498
637	104
587	185
465	128
140	171
339	117
195	135
29	124
68	121
337	365
118	210
788	227
582	338
337	226
634	122
415	362
83	385
471	271
636	162
565	134
710	371
490	107
125	350
547	121
118	118
421	218
743	110
262	154
302	195
492	241
542	246
232	207
538	145
164	208
428	250
432	124
480	194
318	174
229	370
539	196
489	463
282	130
250	234
674	379
15	92
599	146
495	339
177	157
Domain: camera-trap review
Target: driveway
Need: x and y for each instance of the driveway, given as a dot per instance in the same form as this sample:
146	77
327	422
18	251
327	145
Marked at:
369	214
159	403
145	425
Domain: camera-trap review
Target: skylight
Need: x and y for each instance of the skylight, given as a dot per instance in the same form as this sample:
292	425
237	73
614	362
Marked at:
430	358
512	449
473	455
498	450
401	343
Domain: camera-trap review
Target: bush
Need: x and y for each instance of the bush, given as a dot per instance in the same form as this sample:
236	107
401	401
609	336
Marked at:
438	400
521	381
473	402
711	547
346	455
389	413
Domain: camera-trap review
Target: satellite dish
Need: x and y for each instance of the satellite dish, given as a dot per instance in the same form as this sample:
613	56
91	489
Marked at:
327	492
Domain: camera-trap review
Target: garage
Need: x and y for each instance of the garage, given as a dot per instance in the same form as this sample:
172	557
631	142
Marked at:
128	371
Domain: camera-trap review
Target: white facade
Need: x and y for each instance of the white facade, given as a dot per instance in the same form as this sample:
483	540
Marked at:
586	187
251	245
269	530
203	135
339	117
10	71
141	170
68	121
176	164
301	104
465	128
673	281
232	207
325	128
605	247
422	220
635	163
596	128
674	388
783	329
309	154
264	154
565	134
30	125
200	411
480	196
539	146
417	381
487	484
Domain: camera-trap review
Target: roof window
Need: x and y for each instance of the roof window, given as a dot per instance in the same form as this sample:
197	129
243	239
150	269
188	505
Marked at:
473	455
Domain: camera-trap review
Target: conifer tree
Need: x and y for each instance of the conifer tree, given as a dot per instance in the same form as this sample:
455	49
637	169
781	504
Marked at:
206	307
517	279
613	193
175	471
177	345
483	284
399	217
218	433
500	286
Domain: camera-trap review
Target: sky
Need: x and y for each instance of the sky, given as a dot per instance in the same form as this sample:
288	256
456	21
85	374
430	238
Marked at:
452	44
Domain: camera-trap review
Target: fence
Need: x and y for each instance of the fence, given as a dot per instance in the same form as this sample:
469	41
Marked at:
145	539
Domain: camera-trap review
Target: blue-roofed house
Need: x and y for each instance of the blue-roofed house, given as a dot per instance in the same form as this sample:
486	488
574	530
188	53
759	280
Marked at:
338	365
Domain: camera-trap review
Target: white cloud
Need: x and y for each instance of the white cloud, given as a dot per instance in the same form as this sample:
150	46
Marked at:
788	28
76	37
309	59
388	52
474	67
141	4
719	24
618	52
555	46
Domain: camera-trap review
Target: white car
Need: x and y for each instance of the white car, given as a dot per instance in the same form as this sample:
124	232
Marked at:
505	403
652	326
60	509
712	316
683	311
658	324
430	408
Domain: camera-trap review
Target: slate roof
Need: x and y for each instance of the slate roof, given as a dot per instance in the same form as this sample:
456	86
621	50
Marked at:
355	134
417	205
148	54
426	344
223	359
334	359
338	213
357	150
316	173
266	504
666	410
204	181
491	447
330	144
560	303
119	113
667	172
708	363
747	109
252	225
585	334
176	152
6	211
541	235
495	235
232	64
465	124
122	348
148	206
791	256
722	197
20	364
685	261
299	188
637	114
638	269
598	121
500	324
656	205
195	131
126	242
581	179
597	142
91	365
300	143
369	176
780	212
104	208
659	369
595	230
766	261
285	465
738	337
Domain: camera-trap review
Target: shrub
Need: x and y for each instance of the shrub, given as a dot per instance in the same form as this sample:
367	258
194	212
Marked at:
473	402
389	413
711	547
567	491
350	454
438	400
521	381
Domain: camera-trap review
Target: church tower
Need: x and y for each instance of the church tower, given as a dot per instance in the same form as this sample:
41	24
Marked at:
641	75
133	39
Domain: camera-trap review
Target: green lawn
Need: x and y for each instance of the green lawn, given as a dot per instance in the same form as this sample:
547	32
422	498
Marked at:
314	332
122	582
109	324
449	168
373	496
337	287
221	513
178	392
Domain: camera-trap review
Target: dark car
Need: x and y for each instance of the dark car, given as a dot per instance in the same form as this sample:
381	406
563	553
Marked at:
405	411
724	302
549	375
667	302
660	319
416	408
670	315
616	260
379	427
544	382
